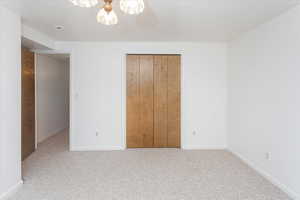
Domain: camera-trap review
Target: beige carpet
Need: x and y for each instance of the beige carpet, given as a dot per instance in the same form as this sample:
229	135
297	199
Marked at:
53	173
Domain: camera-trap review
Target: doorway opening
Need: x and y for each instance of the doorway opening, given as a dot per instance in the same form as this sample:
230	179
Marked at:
45	99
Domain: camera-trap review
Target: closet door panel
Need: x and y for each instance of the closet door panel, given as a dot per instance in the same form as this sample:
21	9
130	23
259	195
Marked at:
134	138
146	100
174	101
161	101
153	101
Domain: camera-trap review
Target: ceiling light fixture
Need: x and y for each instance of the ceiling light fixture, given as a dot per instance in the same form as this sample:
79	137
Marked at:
106	15
132	7
85	3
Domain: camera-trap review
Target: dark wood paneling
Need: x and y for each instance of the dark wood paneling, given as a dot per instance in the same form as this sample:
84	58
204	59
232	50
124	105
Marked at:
134	138
160	101
146	100
174	101
28	103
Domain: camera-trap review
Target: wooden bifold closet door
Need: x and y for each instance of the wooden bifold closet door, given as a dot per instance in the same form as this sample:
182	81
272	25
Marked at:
153	101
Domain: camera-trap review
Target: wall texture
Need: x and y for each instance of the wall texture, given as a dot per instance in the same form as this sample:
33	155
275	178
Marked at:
10	101
52	95
264	99
99	91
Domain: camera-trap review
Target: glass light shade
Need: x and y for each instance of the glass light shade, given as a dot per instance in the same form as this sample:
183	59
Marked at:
107	18
132	7
84	3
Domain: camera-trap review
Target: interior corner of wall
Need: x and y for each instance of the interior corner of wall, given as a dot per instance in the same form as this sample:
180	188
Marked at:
38	37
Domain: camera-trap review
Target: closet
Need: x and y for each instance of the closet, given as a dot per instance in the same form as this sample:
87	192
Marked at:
153	101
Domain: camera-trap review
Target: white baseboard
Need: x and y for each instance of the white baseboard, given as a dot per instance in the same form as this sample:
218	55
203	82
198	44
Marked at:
11	191
114	148
96	148
196	147
48	135
267	176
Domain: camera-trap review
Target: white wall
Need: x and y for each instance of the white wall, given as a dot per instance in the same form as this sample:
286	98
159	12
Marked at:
52	95
264	99
98	87
37	37
10	101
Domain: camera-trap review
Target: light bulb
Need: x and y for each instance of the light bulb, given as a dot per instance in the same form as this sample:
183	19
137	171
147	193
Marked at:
84	3
107	18
132	7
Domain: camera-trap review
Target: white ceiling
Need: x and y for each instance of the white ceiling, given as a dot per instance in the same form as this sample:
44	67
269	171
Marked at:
163	20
